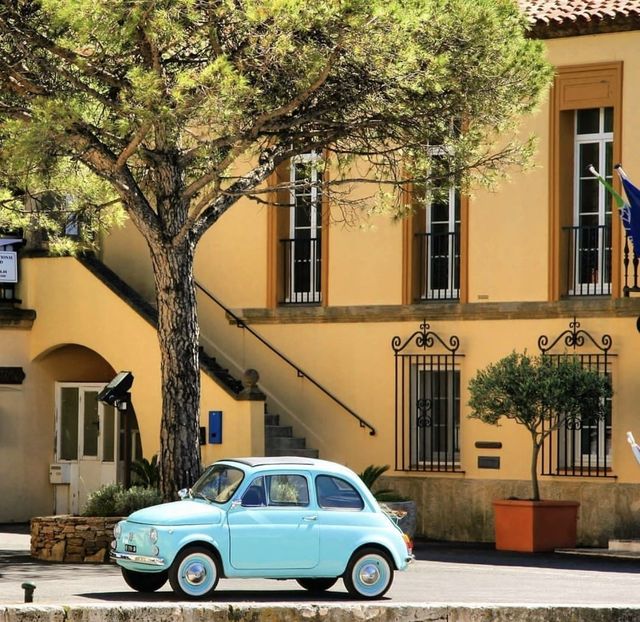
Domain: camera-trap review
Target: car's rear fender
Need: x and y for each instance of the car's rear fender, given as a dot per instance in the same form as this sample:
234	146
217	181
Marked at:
395	551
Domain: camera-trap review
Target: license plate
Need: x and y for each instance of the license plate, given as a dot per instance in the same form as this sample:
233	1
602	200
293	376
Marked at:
130	548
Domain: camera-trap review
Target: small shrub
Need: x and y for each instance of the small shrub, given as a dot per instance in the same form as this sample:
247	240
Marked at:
146	473
136	498
371	475
102	502
114	500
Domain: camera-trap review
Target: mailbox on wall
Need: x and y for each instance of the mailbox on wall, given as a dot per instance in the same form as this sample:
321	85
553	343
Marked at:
215	427
60	473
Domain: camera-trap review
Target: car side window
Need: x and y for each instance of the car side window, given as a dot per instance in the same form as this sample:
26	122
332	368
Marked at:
254	496
337	494
287	490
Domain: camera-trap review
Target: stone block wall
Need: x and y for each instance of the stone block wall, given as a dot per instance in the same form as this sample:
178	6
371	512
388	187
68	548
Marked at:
459	509
81	539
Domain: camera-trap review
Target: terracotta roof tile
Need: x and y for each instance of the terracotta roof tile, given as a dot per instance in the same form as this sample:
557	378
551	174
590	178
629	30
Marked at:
558	12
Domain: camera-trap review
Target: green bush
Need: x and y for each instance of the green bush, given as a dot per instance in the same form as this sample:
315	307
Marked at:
102	502
136	498
114	500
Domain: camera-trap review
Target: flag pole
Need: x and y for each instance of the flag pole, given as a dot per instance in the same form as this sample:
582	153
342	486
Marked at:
620	171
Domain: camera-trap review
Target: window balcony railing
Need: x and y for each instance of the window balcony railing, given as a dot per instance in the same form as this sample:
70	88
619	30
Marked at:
588	260
630	265
302	266
438	264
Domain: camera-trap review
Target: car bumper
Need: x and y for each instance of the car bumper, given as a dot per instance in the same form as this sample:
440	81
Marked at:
138	559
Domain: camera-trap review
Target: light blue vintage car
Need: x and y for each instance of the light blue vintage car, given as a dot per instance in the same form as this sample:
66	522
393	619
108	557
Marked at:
280	518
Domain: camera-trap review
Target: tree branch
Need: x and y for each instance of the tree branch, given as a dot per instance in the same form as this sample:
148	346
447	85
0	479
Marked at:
130	149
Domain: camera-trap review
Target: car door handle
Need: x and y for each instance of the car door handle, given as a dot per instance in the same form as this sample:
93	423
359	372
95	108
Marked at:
310	518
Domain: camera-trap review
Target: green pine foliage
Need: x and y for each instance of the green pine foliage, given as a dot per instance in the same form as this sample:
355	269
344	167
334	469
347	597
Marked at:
171	111
540	393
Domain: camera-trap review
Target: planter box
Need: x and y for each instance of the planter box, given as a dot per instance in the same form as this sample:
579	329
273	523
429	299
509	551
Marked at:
535	526
72	539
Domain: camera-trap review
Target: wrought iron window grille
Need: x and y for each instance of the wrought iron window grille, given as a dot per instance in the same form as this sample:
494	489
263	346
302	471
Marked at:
427	402
579	447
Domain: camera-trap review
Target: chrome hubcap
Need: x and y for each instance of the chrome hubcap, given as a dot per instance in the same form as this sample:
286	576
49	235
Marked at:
195	573
369	574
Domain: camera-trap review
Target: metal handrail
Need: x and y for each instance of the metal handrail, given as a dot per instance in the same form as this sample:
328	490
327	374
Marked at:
301	373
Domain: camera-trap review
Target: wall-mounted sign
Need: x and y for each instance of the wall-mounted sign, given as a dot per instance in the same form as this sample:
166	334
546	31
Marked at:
11	375
8	267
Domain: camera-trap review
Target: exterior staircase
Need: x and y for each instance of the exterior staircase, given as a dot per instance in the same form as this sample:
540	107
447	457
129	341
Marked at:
279	440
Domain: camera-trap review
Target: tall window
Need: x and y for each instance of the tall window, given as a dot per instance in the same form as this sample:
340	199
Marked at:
303	249
438	248
427	401
435	415
591	230
586	126
579	447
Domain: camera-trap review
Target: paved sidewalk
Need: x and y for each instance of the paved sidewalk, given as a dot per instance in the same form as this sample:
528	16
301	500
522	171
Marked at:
444	575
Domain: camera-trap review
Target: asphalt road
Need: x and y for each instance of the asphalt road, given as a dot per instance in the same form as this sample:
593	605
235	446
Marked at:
443	573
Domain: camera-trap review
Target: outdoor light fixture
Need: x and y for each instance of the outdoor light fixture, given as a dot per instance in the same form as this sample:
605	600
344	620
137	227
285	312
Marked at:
116	392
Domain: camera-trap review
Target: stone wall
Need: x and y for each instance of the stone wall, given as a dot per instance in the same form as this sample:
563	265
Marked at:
72	538
459	509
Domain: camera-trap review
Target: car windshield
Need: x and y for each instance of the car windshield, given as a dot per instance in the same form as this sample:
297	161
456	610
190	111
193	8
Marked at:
218	483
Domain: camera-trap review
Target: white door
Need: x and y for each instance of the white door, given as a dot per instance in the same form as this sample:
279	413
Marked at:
87	434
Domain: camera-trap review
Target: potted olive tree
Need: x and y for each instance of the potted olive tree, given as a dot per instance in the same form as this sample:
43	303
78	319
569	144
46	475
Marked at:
543	394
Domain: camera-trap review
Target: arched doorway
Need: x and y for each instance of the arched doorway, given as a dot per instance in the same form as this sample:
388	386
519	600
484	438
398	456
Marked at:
89	436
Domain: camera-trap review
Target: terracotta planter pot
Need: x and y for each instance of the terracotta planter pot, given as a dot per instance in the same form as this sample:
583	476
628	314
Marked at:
535	526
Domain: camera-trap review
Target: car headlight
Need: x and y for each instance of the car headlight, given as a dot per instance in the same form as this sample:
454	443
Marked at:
117	530
153	535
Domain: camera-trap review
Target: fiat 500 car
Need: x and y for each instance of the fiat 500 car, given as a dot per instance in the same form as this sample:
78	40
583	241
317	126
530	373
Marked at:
280	518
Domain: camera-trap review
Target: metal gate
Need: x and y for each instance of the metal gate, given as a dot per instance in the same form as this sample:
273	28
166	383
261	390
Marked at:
579	447
427	402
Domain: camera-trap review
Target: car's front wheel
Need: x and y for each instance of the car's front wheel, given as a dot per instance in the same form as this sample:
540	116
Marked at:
144	581
369	574
194	573
317	585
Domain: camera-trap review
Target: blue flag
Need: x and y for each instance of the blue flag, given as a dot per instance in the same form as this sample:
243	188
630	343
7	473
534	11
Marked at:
630	213
629	209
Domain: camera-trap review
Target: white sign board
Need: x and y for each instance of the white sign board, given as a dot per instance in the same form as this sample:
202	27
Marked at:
8	267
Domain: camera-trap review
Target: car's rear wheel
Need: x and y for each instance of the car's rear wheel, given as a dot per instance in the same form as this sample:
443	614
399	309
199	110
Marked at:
194	573
369	574
144	581
317	585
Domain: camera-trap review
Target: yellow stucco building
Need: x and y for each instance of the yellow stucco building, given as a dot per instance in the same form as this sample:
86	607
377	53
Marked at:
365	338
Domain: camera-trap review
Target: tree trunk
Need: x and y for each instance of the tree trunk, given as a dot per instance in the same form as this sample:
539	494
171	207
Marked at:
535	490
178	334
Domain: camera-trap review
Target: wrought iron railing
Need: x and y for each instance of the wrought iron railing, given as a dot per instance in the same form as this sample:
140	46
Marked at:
427	402
438	262
630	263
588	260
579	448
240	323
302	271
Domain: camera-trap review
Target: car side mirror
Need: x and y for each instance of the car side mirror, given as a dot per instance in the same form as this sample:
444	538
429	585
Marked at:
183	493
236	503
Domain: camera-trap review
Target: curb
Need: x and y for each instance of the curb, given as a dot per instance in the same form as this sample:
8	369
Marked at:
254	612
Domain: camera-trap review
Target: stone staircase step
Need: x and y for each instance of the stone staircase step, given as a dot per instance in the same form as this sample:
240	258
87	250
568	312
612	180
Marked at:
270	419
630	546
278	431
285	442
